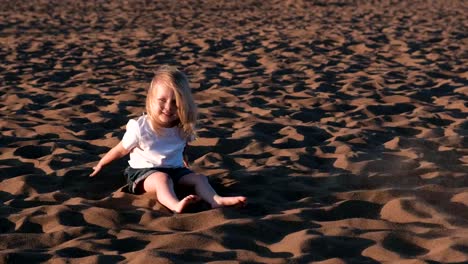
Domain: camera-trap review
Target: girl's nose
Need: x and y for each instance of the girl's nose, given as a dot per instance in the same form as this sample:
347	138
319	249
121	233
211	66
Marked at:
170	105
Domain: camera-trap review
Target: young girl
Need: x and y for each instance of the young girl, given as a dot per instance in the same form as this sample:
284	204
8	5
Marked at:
156	142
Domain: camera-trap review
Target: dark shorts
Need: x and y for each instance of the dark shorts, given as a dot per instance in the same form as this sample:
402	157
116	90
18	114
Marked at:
135	176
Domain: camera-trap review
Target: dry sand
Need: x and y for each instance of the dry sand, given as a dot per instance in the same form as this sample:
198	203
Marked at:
343	122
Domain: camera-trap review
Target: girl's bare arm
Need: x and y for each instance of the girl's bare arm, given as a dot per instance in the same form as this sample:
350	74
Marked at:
115	153
185	157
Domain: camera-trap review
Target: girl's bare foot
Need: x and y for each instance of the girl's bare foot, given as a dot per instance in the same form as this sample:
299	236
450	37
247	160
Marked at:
189	199
229	201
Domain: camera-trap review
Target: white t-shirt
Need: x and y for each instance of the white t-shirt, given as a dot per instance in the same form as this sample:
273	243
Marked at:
152	150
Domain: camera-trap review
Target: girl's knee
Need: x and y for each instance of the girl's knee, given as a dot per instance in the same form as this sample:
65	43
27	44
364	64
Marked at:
194	178
151	183
200	177
158	176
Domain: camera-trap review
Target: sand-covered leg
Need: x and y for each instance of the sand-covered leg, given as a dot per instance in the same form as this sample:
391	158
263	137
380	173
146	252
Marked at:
161	184
208	194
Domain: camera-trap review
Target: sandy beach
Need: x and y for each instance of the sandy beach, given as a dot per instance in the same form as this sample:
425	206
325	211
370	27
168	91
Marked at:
345	124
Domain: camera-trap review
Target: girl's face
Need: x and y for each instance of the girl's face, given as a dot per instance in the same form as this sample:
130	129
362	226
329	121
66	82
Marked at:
166	106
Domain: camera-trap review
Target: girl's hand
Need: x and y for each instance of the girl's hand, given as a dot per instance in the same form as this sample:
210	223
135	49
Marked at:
96	169
116	152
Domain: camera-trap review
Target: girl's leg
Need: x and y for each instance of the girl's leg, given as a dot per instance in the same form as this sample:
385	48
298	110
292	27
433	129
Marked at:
161	184
207	193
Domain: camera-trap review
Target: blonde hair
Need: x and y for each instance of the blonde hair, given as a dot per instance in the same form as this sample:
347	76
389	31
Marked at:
186	109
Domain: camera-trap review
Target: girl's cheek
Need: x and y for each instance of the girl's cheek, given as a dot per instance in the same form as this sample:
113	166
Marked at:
157	106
